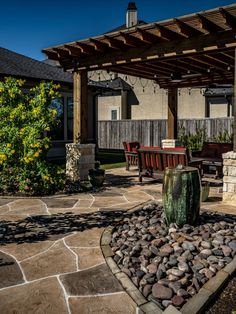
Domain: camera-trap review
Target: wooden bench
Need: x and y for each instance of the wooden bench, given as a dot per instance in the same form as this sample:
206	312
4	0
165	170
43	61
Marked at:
211	155
152	163
131	156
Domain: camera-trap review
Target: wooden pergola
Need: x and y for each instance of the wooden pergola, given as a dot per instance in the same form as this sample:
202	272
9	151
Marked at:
192	50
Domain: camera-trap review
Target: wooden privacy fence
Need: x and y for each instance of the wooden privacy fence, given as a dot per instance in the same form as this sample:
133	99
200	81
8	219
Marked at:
111	134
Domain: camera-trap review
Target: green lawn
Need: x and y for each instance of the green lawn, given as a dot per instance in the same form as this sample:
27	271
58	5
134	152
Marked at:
111	159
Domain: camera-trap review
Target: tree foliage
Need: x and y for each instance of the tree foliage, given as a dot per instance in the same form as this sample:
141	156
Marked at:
26	116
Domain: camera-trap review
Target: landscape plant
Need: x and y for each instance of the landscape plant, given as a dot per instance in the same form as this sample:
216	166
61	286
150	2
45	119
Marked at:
193	142
26	117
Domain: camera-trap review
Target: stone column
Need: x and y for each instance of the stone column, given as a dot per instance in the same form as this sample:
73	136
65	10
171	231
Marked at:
171	143
79	159
229	179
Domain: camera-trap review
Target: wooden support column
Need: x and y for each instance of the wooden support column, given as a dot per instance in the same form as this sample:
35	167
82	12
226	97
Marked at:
172	113
80	96
234	104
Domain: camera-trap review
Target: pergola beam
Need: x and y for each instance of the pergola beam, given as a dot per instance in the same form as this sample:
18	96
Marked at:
161	51
186	29
167	34
230	20
80	98
148	37
234	104
99	46
85	48
113	42
130	40
172	113
208	25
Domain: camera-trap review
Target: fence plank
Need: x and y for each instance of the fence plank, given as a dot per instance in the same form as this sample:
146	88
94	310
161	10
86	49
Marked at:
111	134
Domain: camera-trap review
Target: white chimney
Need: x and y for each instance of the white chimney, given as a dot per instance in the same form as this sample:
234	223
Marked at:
131	15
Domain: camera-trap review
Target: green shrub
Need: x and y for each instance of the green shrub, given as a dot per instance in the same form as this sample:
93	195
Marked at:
223	137
193	142
25	119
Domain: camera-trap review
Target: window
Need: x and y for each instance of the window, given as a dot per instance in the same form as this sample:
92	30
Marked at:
69	118
58	131
114	114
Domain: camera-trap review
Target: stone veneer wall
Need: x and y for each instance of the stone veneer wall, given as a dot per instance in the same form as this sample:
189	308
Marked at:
229	179
79	159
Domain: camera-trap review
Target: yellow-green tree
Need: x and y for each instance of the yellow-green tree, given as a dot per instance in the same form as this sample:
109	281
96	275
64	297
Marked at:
25	119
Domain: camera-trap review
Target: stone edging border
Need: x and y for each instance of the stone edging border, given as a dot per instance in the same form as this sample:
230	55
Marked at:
193	305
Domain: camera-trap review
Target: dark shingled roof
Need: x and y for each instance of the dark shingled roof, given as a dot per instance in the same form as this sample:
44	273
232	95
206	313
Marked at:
122	27
15	64
219	90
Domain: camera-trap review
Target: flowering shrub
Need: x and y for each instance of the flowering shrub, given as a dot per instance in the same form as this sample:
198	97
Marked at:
25	119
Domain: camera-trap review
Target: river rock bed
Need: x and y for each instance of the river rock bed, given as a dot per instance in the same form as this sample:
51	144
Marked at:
171	264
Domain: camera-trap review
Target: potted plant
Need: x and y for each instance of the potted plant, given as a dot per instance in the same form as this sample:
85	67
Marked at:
96	176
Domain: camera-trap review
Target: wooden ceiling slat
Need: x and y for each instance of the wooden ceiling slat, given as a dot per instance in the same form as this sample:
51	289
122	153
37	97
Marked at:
73	50
167	34
85	48
191	66
155	69
99	46
131	40
148	37
140	71
131	72
208	25
53	55
114	43
219	59
229	54
224	58
187	30
210	63
230	20
61	52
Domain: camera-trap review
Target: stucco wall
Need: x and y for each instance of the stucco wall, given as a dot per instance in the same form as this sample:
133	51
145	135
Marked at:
191	103
147	101
106	104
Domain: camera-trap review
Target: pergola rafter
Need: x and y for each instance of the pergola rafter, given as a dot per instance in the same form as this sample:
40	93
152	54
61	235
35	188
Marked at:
201	44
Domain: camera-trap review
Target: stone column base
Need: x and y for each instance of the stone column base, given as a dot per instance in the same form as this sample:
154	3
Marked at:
79	159
171	143
229	179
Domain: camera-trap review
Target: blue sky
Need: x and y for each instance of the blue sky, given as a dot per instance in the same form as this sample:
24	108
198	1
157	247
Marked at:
28	26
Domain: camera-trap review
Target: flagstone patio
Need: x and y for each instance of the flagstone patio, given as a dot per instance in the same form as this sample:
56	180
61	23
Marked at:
50	256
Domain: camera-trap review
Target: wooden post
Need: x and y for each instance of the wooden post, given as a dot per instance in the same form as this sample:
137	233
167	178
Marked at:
172	112
80	95
234	104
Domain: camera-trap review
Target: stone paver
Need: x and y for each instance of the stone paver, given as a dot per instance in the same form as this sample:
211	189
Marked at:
88	257
4	209
138	196
58	259
108	201
92	281
59	203
26	250
43	296
87	238
10	273
50	257
118	303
